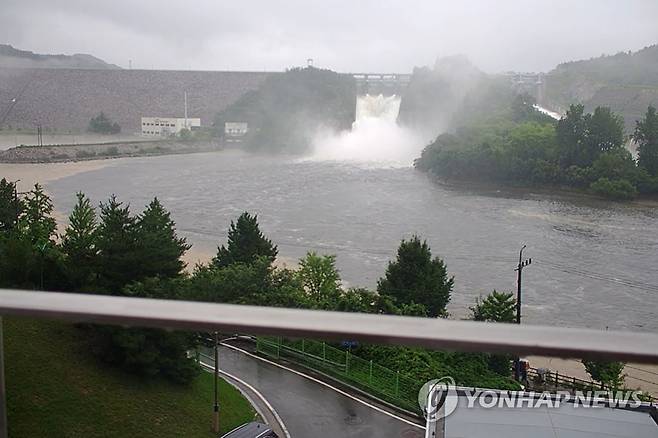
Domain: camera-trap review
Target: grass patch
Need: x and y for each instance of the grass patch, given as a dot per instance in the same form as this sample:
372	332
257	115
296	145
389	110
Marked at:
56	389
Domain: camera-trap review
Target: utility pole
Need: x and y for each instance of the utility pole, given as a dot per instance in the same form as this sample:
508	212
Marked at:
215	417
519	268
185	97
16	204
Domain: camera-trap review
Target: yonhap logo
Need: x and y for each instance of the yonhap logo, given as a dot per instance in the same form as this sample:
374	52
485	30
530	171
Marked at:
438	398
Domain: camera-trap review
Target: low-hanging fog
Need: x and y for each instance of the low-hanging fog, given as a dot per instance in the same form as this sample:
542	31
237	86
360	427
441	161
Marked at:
346	36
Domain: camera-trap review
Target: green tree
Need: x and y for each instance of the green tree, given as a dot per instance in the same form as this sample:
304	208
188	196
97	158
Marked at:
416	277
571	132
160	249
37	226
646	137
11	206
37	222
101	124
583	137
118	263
320	277
245	243
149	352
495	307
608	373
605	132
79	243
20	263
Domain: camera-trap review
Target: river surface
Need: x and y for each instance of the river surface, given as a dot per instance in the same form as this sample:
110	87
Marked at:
594	263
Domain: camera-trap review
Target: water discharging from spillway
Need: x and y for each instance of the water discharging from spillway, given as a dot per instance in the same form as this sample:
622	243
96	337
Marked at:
385	108
375	136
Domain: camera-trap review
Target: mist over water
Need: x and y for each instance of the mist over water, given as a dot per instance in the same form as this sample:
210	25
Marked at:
375	136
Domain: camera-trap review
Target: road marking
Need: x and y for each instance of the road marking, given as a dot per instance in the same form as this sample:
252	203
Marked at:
325	384
261	396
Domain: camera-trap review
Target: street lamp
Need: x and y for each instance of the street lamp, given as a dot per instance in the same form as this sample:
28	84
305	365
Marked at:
215	418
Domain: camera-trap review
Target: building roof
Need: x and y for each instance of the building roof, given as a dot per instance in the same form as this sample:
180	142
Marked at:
565	421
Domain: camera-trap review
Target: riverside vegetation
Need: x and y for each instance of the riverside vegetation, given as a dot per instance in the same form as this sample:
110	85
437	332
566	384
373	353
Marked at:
519	145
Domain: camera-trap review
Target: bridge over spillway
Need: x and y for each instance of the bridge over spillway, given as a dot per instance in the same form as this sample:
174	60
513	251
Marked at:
381	83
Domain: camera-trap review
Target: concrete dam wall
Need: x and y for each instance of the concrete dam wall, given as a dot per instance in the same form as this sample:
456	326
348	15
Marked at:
64	100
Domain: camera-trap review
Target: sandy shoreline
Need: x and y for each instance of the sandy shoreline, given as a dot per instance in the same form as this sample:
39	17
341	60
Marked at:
28	175
43	173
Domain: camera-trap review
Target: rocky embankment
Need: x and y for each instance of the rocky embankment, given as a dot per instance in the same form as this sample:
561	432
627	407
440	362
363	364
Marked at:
99	151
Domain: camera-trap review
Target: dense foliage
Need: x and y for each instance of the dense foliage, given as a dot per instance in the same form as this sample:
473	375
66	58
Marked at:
606	372
286	111
519	145
646	137
101	124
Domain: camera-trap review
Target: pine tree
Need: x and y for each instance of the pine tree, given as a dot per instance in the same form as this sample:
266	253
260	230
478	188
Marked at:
160	248
11	206
37	222
118	262
495	307
245	243
414	277
79	243
30	256
646	137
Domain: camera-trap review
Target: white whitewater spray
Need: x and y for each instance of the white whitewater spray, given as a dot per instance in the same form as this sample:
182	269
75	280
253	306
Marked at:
375	136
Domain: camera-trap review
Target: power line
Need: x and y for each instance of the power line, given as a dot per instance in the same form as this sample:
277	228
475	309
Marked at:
598	276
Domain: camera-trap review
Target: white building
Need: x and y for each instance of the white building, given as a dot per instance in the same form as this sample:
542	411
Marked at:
234	131
166	126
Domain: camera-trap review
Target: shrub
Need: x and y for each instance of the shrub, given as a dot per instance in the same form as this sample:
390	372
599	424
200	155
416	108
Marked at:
619	189
101	124
85	154
113	150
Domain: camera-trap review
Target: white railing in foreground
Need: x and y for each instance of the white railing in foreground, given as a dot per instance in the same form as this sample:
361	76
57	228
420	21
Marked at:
386	329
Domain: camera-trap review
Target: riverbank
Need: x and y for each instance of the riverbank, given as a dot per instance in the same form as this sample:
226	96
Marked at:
637	376
101	151
11	139
562	192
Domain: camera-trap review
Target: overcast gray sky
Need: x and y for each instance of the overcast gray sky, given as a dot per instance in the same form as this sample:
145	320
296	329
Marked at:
344	35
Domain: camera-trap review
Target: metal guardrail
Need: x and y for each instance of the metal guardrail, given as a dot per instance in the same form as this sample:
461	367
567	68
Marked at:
384	329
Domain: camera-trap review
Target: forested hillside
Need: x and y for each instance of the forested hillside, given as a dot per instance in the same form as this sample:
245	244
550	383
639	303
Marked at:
627	82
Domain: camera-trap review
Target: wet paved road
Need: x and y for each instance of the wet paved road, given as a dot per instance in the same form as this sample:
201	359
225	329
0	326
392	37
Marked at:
309	409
